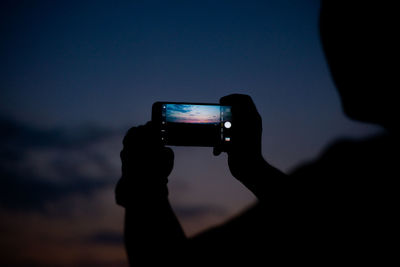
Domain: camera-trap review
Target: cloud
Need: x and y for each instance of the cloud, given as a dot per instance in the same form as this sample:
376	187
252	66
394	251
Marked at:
180	108
21	193
40	166
17	134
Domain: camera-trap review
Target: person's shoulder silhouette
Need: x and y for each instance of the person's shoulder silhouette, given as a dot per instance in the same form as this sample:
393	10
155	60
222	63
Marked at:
351	191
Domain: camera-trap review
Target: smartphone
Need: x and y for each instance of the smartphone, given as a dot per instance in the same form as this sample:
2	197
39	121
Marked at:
192	124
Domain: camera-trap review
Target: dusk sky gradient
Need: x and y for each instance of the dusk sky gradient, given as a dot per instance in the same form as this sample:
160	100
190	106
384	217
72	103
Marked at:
181	113
76	75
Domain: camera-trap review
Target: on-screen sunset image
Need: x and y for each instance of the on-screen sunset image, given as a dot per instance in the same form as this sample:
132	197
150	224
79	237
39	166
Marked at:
182	113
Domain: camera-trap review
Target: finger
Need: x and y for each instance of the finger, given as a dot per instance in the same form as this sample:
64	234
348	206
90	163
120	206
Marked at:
244	110
166	162
217	151
143	135
239	101
129	135
124	156
136	136
168	154
236	99
120	192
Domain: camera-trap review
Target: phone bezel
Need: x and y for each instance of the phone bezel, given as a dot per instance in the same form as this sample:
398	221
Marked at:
157	118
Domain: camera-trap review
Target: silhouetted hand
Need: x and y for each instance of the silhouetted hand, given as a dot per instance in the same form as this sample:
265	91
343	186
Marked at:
146	165
245	159
245	148
151	227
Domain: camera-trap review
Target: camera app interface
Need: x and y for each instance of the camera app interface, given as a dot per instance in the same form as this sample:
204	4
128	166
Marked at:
203	125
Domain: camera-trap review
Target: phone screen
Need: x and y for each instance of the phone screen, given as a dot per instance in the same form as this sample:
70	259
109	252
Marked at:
195	124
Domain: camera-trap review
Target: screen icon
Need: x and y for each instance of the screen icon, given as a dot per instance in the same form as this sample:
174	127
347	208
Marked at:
227	124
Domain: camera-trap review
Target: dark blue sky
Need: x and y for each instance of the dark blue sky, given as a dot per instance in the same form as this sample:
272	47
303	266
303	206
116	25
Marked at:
65	62
68	63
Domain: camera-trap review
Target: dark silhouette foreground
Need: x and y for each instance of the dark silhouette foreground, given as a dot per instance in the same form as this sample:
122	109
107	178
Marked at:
340	208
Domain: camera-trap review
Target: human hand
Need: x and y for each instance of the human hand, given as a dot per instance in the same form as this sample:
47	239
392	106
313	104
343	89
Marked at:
146	165
244	151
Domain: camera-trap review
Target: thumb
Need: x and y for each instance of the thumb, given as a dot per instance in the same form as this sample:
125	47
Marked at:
217	150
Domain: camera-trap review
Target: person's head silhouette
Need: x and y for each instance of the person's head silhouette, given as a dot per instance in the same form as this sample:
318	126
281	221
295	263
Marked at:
359	40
